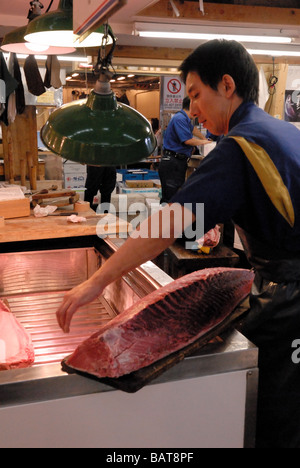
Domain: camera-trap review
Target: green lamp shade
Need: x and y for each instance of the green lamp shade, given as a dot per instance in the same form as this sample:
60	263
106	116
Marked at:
99	131
56	29
14	42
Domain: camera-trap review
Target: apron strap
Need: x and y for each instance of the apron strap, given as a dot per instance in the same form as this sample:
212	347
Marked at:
270	178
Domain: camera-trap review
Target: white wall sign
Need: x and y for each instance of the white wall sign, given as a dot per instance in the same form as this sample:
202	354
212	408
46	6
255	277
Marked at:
292	96
173	90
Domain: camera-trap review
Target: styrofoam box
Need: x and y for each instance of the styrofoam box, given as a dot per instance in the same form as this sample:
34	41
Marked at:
208	148
71	167
125	203
153	204
75	179
132	201
74	187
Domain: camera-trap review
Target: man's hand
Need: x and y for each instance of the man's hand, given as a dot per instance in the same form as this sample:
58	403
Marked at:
77	297
152	237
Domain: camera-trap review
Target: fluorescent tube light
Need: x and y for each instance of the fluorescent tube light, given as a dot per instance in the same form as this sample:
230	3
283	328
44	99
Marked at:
62	58
205	36
275	53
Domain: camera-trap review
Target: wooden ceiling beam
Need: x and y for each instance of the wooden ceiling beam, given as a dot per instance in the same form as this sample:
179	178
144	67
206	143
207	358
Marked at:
159	53
178	55
219	12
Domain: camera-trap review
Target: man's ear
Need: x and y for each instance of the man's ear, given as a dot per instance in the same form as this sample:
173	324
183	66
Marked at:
227	86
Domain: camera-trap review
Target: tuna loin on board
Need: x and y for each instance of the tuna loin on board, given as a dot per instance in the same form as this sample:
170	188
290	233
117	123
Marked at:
163	322
16	349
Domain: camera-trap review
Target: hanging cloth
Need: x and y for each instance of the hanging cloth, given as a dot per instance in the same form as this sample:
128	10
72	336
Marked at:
2	96
33	77
10	86
20	95
52	76
263	89
11	106
201	6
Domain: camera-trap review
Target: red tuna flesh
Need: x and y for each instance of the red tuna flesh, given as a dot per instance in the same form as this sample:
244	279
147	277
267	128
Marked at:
163	322
16	349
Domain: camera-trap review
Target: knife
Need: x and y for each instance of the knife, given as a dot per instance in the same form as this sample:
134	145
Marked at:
70	213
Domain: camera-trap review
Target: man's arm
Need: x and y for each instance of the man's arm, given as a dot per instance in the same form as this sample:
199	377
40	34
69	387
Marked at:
196	142
153	236
197	133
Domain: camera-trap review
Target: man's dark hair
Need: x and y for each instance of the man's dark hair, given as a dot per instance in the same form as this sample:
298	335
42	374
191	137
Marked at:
186	103
214	59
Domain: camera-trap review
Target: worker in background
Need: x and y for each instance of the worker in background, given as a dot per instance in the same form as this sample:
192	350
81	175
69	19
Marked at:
179	141
251	177
102	179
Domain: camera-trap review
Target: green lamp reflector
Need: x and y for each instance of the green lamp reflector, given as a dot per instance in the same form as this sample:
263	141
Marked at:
99	131
56	28
14	42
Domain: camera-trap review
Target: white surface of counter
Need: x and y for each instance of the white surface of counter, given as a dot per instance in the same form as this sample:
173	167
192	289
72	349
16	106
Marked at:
206	400
203	412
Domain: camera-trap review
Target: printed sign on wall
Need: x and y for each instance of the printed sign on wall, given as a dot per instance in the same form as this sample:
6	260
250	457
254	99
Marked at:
173	90
292	96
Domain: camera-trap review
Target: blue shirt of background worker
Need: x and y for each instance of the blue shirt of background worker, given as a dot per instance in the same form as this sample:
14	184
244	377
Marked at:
180	139
179	130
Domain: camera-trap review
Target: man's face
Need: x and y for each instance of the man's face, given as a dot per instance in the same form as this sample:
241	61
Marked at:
211	107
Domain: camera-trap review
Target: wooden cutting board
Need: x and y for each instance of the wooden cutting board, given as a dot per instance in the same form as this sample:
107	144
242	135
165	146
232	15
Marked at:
135	381
32	228
11	209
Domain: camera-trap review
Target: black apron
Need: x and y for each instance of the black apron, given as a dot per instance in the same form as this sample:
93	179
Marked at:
273	325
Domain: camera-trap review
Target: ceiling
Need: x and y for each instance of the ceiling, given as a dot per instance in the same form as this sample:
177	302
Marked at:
261	16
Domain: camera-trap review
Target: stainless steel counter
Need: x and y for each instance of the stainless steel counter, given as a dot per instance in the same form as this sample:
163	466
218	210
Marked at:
34	283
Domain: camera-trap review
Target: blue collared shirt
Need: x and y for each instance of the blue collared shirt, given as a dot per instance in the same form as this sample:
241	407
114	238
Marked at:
228	186
179	130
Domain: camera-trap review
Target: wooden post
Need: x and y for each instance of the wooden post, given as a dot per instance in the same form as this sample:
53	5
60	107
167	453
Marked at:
31	170
10	158
23	172
20	148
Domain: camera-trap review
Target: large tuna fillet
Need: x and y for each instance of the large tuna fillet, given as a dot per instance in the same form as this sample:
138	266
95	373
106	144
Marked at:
163	322
16	349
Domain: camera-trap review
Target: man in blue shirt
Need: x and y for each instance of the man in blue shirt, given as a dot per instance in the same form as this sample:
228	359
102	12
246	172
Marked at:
179	143
252	178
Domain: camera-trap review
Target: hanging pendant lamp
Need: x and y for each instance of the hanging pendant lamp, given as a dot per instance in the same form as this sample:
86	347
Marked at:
56	29
99	131
14	42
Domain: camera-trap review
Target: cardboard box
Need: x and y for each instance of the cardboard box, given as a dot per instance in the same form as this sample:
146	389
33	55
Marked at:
74	168
75	181
139	183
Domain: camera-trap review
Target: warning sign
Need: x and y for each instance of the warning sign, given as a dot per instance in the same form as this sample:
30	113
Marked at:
173	93
174	86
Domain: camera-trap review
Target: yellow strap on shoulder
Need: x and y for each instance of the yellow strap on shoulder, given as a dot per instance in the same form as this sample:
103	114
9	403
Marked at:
269	177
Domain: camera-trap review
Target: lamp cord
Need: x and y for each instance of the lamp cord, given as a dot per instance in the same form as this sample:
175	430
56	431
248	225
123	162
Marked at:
50	5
